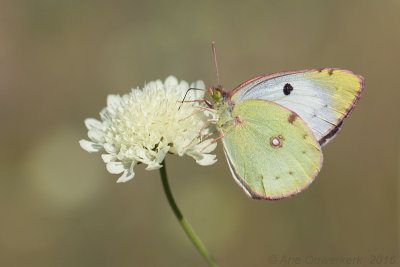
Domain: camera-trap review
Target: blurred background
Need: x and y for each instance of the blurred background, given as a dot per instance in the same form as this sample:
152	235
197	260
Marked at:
60	59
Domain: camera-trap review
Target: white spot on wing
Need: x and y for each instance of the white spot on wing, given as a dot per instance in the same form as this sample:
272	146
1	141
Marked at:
275	142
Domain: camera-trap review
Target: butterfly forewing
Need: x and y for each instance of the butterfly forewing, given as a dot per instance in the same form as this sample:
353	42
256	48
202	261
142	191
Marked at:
322	98
278	157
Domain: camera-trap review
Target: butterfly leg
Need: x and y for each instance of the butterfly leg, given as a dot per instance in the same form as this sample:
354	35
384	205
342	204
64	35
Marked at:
197	111
199	134
208	135
213	141
197	100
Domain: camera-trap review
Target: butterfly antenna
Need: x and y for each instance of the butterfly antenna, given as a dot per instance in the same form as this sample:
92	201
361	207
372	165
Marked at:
187	91
215	60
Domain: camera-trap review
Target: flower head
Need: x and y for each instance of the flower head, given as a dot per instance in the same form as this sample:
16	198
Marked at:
144	125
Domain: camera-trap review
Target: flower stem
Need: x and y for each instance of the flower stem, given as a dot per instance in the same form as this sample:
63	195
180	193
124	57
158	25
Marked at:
184	223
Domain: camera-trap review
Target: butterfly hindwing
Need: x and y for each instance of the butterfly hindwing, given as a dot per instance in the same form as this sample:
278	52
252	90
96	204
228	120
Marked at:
271	151
321	97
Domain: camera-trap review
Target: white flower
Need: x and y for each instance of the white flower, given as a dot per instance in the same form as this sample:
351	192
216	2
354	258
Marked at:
144	125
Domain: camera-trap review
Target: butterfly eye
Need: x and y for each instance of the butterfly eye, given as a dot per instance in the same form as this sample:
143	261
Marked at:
216	95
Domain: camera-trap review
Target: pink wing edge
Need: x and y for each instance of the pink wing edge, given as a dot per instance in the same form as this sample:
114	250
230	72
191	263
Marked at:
255	195
334	130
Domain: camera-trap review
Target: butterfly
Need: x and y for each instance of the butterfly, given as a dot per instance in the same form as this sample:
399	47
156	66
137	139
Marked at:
273	126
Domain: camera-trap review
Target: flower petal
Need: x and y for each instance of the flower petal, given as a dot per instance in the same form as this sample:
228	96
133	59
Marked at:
90	146
198	84
104	114
128	174
93	123
202	159
171	82
115	167
184	85
159	85
113	101
153	166
109	148
96	135
208	159
108	158
207	143
197	94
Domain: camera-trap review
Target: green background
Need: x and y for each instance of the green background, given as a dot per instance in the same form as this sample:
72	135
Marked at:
59	60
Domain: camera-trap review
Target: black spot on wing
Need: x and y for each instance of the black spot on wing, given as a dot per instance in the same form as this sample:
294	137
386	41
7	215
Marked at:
287	89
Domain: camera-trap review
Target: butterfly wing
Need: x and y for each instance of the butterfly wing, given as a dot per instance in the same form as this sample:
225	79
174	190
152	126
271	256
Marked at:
321	97
270	150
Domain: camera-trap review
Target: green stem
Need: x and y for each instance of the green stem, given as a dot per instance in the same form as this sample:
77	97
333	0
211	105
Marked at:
185	225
